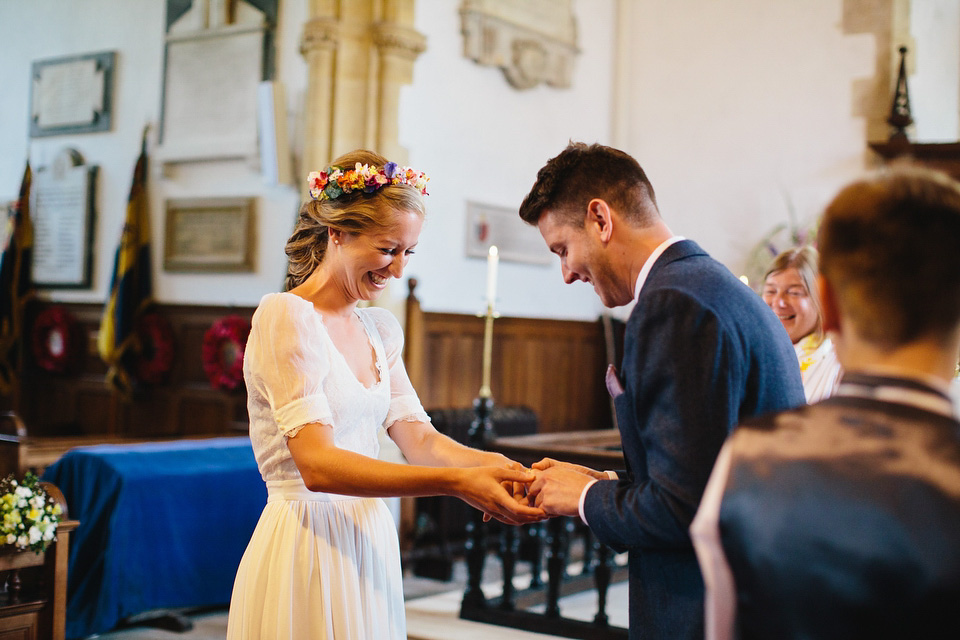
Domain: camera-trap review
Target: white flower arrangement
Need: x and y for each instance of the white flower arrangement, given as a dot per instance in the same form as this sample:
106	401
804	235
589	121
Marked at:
30	515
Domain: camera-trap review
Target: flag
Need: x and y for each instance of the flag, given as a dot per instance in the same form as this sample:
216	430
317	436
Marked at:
16	283
131	288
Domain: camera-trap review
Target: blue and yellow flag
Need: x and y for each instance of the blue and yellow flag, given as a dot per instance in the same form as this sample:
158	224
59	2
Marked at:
16	284
131	289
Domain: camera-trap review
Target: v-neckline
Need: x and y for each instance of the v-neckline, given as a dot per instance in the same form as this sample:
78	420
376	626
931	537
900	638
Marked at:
370	343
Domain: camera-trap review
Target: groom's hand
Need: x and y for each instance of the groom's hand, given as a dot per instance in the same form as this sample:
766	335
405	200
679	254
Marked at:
558	486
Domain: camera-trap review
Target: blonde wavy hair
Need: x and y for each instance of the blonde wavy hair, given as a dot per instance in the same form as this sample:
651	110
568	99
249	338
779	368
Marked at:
357	213
805	260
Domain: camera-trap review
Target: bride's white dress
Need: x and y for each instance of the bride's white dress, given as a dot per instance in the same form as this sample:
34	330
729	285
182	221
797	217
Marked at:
319	566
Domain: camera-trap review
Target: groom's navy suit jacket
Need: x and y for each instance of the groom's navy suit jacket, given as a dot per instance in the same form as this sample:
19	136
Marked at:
702	352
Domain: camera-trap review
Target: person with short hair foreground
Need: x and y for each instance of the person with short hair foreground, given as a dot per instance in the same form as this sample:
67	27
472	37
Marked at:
842	519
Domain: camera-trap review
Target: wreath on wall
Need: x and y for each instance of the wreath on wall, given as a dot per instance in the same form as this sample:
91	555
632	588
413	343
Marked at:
53	339
223	345
155	359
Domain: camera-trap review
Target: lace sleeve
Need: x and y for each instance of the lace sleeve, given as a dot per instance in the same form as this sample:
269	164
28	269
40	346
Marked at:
404	403
288	361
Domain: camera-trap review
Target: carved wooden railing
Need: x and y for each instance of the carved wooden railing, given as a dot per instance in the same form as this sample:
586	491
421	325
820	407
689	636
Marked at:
543	545
538	607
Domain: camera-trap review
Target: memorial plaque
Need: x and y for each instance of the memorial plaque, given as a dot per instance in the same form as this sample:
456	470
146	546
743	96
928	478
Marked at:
209	234
71	95
61	205
516	240
210	94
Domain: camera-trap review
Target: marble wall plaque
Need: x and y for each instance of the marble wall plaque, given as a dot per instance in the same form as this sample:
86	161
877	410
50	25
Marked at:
71	95
210	94
61	205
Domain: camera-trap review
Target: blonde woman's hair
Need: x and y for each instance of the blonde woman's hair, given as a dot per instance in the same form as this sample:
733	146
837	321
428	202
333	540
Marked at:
805	260
357	212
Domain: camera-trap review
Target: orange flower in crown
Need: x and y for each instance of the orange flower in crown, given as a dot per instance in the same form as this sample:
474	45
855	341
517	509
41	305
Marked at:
333	182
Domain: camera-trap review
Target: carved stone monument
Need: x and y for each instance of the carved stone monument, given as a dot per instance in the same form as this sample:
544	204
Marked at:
534	41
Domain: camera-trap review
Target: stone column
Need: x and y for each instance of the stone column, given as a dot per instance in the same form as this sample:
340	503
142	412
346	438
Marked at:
359	53
318	46
399	47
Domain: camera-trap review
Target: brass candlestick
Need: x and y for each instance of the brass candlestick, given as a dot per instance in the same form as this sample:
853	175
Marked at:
487	351
481	430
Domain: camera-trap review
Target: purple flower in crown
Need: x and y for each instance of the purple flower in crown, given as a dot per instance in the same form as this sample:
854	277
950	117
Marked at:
375	181
389	170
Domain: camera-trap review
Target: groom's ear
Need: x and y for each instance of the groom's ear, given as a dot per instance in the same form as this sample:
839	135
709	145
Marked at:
830	320
600	219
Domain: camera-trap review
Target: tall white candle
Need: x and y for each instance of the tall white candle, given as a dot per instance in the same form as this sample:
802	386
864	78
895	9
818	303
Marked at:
493	258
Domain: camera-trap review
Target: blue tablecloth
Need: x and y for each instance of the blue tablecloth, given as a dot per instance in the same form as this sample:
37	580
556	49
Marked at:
162	525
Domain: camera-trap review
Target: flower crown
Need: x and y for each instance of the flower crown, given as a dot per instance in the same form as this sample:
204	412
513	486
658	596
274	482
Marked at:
333	182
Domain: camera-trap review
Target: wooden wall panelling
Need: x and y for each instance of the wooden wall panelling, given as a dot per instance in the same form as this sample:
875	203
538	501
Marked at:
555	367
78	402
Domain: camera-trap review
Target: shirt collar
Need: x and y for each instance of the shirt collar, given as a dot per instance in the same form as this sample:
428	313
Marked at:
927	392
648	265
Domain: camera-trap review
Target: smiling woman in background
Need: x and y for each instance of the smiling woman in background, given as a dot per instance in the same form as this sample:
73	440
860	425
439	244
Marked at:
790	289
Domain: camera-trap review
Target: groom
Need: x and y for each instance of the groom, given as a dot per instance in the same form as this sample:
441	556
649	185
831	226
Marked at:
701	353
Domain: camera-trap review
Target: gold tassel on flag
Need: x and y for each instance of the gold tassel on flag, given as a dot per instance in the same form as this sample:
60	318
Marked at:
16	284
131	288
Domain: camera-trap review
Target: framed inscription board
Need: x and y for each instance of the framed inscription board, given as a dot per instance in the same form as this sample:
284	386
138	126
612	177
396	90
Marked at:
61	205
209	234
516	240
71	95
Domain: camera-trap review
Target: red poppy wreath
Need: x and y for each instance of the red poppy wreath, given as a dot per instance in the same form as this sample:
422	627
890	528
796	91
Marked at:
156	348
53	338
223	345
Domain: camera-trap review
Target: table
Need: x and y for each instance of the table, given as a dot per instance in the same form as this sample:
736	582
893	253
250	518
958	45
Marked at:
598	449
162	525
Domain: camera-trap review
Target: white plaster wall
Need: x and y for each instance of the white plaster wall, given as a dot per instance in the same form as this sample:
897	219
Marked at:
483	141
935	85
740	108
733	108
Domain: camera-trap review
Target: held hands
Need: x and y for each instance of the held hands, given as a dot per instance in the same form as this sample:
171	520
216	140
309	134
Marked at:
514	494
558	486
499	492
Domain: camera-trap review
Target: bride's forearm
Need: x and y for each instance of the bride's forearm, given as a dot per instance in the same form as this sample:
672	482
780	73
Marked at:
422	444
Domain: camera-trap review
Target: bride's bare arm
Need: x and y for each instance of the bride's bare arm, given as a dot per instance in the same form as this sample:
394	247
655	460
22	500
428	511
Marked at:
325	467
422	444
